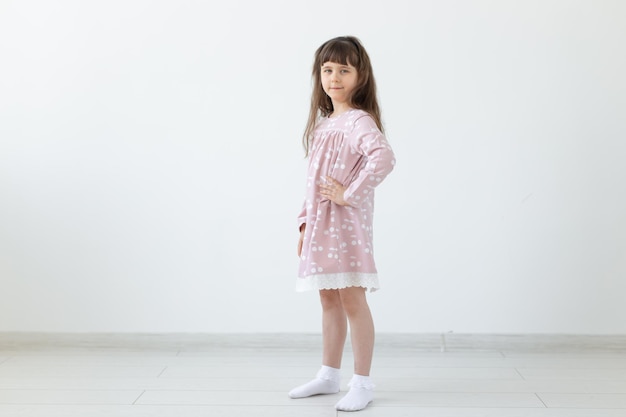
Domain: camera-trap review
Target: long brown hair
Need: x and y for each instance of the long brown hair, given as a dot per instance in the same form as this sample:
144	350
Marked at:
344	50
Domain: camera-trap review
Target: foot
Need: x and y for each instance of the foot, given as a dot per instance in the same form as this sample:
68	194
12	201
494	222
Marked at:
360	395
326	382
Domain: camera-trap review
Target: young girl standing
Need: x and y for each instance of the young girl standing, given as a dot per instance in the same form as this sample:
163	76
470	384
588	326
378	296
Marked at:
348	157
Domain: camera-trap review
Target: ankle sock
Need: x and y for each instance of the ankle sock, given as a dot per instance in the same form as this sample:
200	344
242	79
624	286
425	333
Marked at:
326	382
361	393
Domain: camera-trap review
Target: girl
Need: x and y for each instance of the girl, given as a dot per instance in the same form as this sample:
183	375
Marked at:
348	157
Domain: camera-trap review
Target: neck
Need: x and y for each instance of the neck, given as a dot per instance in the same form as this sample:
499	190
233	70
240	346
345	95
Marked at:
339	108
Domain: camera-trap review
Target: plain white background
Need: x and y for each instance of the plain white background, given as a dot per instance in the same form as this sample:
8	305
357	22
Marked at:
151	168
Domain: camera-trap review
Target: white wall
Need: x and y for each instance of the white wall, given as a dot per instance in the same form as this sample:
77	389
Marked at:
151	169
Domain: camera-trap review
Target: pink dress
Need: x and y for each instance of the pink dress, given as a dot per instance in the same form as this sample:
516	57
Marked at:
337	250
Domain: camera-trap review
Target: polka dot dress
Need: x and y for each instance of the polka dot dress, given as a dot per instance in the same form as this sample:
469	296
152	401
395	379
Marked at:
337	250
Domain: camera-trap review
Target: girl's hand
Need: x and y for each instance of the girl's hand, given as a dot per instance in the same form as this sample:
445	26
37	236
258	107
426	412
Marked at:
301	239
333	190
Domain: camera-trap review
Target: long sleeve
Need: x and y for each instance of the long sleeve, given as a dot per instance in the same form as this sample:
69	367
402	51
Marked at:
302	215
379	160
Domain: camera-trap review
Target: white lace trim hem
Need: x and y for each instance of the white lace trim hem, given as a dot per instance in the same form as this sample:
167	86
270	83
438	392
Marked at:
338	281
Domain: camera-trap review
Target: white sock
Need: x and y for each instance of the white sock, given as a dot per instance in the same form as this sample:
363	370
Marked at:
360	395
326	381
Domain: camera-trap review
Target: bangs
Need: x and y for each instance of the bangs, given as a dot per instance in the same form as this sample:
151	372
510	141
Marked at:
341	52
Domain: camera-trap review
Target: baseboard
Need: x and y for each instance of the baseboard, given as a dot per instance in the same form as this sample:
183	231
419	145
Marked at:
445	342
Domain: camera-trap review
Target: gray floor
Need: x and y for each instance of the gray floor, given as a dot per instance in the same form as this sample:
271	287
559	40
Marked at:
250	375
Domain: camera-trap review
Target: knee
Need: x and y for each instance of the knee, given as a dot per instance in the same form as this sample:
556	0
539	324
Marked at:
330	299
353	301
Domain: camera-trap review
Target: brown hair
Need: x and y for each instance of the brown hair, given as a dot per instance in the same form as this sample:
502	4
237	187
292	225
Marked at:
344	50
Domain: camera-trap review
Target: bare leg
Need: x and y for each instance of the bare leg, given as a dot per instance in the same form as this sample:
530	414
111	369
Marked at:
334	328
361	328
362	335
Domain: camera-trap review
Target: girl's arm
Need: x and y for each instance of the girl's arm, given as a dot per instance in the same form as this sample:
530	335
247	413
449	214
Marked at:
301	226
302	215
301	240
372	144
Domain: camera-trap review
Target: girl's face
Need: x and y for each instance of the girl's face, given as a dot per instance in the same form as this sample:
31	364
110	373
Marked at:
339	81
